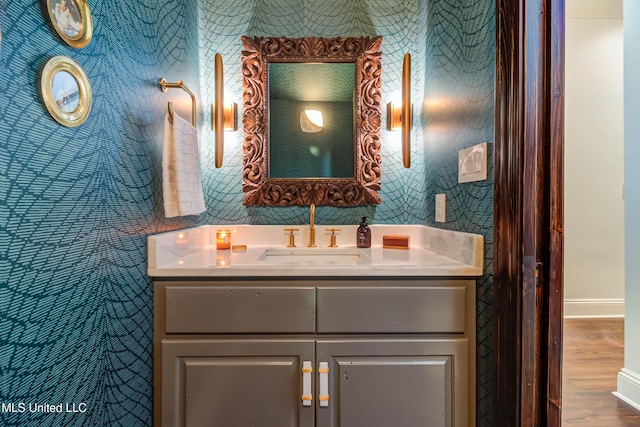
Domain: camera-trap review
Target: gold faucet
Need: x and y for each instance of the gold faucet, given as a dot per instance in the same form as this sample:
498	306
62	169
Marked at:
312	230
332	239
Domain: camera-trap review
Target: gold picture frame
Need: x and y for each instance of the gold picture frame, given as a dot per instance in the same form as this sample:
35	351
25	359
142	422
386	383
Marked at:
66	91
72	21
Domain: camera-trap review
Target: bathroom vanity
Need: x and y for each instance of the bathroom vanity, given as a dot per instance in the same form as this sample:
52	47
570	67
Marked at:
277	336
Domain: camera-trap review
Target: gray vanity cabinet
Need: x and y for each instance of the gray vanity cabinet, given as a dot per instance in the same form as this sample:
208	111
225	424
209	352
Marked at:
235	382
325	353
393	382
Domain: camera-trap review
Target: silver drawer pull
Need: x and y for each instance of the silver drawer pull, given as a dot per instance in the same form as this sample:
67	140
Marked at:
323	370
307	369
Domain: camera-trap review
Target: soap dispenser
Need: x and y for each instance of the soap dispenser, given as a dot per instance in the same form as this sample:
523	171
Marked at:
364	234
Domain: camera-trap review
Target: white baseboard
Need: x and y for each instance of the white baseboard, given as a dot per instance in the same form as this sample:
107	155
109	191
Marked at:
628	388
591	307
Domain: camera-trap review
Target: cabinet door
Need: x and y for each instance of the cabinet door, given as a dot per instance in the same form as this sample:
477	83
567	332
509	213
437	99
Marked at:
235	383
393	382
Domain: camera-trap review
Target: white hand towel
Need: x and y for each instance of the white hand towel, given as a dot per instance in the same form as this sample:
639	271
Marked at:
181	180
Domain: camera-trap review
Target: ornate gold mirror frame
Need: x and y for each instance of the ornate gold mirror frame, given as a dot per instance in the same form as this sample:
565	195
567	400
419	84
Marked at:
259	188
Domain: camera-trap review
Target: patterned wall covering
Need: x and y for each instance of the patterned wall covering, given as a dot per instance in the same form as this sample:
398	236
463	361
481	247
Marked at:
459	113
76	206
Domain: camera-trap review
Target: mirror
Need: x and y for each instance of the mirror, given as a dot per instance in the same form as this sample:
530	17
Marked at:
311	125
311	121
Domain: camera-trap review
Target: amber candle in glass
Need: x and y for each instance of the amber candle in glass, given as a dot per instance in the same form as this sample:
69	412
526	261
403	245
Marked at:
223	239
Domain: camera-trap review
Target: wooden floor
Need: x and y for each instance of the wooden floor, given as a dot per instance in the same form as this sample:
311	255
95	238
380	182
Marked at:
593	355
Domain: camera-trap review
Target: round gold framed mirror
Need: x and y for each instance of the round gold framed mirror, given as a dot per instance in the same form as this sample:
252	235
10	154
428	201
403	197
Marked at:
66	91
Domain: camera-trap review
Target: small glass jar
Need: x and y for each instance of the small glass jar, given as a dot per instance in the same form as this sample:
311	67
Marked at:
223	239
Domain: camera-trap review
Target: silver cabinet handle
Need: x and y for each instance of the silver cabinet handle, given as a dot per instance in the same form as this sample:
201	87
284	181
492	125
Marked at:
323	370
307	396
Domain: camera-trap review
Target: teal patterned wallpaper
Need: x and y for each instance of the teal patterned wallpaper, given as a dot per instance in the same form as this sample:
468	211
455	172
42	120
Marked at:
458	113
76	207
77	204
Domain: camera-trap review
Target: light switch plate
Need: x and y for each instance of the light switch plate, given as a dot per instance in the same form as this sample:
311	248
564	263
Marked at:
441	207
472	163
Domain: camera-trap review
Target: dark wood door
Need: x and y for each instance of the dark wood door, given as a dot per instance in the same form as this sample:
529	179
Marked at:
528	212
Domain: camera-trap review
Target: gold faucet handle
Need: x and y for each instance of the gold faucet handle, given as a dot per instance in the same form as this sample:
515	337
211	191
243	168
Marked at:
332	239
292	238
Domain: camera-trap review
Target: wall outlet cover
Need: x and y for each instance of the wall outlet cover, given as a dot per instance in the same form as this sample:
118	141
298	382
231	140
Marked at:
472	163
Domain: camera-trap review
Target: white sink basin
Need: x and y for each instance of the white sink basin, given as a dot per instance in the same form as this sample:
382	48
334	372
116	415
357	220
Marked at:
312	256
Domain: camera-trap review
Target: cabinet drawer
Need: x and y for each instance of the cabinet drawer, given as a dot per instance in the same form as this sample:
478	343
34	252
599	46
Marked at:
227	309
391	309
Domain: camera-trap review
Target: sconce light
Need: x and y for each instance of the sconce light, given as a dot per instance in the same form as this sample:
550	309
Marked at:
311	121
224	116
394	116
401	116
231	116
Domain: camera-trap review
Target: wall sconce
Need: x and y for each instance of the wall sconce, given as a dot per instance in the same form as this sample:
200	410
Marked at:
311	121
401	116
224	117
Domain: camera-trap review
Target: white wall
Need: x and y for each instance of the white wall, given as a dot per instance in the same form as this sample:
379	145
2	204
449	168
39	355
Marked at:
594	208
629	376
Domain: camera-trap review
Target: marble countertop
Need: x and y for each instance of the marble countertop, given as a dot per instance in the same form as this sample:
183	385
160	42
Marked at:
433	252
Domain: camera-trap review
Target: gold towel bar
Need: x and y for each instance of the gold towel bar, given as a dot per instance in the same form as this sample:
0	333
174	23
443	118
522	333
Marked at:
164	85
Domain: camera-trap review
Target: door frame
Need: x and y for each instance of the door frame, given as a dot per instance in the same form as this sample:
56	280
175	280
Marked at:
528	212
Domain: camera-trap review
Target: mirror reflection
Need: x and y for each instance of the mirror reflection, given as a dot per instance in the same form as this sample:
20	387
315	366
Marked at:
311	120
